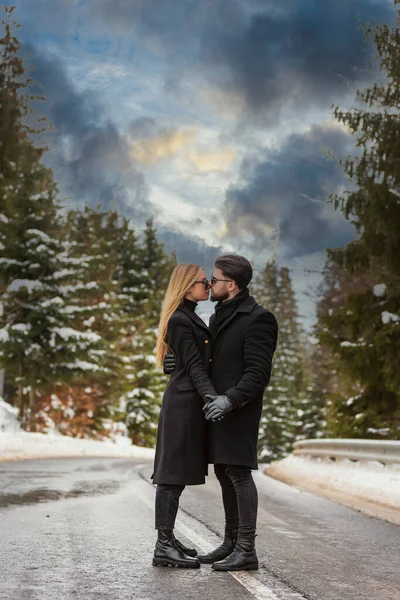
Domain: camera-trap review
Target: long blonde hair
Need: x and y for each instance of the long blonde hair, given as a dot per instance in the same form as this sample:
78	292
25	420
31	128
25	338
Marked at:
182	278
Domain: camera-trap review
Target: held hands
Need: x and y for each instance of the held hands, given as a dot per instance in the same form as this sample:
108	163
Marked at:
217	407
169	363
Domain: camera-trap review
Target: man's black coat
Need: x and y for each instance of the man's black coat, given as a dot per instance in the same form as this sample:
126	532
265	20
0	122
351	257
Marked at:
181	453
243	347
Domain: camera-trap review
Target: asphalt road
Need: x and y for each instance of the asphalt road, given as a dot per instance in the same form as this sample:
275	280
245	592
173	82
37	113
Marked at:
84	529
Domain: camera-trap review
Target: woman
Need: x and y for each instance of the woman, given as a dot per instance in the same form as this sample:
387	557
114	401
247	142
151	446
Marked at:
180	458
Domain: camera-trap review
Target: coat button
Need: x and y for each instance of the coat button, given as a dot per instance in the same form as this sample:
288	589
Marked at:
210	360
206	341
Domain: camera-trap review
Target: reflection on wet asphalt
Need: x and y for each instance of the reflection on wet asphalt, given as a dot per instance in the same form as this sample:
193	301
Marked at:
83	529
46	480
46	495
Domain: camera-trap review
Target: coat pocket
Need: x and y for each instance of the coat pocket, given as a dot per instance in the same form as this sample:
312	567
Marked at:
186	386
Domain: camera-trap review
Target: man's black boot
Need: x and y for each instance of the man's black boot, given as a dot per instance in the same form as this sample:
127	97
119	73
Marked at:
224	550
166	553
243	558
185	549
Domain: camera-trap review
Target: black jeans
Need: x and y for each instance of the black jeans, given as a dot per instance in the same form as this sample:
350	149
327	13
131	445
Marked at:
239	496
167	503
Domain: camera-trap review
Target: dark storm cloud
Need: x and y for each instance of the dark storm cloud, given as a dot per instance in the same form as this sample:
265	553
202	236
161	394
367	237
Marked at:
90	157
190	248
289	188
176	25
296	54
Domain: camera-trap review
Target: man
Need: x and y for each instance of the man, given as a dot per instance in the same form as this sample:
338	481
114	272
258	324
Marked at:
244	341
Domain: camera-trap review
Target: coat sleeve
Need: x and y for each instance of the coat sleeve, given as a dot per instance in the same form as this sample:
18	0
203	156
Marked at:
182	339
259	347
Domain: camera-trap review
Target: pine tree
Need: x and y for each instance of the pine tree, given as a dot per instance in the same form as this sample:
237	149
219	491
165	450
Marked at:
340	389
364	331
117	296
279	420
37	342
87	402
80	296
158	266
311	405
143	392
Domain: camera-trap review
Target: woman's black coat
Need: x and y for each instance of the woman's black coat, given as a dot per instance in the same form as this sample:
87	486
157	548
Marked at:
243	347
181	453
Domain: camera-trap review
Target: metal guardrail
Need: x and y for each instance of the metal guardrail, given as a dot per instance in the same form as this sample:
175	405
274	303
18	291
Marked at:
384	451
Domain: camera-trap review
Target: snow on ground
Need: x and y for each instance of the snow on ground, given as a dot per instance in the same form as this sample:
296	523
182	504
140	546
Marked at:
8	417
368	481
16	444
23	445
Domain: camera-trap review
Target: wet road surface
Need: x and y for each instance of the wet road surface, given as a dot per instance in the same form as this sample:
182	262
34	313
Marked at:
84	529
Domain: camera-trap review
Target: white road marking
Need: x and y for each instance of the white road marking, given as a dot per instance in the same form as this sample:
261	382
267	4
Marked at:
257	589
207	541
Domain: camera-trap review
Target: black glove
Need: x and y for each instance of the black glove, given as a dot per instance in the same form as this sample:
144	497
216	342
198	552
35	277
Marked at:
217	407
169	363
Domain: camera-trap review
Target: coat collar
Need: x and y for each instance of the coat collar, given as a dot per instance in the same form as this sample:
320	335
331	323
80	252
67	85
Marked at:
244	307
247	305
195	317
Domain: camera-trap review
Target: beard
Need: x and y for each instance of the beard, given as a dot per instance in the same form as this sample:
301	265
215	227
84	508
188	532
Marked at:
221	297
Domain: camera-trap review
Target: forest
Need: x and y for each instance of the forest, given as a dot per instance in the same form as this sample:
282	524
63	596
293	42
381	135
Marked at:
81	289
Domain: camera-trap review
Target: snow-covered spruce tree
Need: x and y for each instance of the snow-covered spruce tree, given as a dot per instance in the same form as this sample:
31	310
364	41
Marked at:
116	300
157	265
279	420
364	331
311	404
142	396
37	343
307	408
341	390
144	386
87	406
265	289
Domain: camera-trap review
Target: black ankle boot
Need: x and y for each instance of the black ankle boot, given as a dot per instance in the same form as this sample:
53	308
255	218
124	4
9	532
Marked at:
166	554
243	558
185	549
224	550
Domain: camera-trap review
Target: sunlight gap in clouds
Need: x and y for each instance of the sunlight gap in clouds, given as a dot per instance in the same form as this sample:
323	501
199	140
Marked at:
149	151
235	90
189	219
172	208
213	161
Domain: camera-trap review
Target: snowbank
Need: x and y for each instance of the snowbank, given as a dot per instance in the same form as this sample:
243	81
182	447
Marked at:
16	444
357	484
22	445
8	417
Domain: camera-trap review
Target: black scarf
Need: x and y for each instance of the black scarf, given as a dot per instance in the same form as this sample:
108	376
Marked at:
223	310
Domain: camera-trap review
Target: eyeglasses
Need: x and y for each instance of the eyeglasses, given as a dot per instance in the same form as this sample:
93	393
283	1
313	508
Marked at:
215	279
205	282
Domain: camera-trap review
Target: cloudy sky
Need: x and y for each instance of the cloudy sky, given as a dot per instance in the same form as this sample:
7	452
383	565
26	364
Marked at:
213	116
